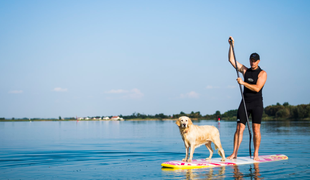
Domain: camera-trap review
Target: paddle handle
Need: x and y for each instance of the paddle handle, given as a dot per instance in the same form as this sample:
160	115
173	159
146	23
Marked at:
245	110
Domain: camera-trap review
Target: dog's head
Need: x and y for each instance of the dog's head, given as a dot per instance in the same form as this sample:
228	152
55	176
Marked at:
184	122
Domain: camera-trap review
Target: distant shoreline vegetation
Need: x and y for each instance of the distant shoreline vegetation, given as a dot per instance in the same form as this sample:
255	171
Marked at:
272	112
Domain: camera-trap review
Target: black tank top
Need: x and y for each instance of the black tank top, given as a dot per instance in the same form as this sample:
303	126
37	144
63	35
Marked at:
251	77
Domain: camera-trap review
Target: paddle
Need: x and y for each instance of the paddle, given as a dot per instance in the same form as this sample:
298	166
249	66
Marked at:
246	113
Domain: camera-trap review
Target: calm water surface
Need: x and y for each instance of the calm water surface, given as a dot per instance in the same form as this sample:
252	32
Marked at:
135	150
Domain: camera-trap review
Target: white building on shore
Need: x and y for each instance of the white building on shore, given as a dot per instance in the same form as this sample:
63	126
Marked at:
116	118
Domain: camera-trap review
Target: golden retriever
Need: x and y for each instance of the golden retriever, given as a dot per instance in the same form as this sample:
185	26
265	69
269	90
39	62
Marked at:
195	136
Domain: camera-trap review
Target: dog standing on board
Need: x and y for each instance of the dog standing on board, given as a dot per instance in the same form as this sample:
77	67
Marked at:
195	136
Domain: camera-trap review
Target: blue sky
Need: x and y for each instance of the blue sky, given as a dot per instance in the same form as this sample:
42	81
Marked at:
96	58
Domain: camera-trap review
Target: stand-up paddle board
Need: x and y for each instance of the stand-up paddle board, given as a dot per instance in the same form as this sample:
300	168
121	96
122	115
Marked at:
216	162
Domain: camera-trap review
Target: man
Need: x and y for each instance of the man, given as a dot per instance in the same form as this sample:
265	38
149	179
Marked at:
254	80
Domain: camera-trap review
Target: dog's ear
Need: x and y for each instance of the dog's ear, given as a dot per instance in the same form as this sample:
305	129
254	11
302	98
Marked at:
178	122
189	122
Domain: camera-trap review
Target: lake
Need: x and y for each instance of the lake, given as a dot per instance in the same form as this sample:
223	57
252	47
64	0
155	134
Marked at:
136	149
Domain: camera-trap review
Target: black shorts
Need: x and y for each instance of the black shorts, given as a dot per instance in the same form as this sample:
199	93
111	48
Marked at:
254	108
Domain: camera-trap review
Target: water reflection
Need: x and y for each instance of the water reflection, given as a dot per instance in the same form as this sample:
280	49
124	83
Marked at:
215	173
254	172
207	173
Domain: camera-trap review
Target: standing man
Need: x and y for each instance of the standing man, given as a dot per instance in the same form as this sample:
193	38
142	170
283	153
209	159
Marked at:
254	80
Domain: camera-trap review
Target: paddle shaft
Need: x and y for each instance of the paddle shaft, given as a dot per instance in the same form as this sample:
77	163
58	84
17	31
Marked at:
245	110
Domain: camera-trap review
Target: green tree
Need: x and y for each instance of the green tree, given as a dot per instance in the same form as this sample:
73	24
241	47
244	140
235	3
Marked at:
191	115
286	104
299	111
217	113
230	113
308	111
197	114
272	110
160	116
283	113
302	111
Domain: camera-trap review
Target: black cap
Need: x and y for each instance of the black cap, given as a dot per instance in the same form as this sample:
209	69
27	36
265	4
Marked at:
254	56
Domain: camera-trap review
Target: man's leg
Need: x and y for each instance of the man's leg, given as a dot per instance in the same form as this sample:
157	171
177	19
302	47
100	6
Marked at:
237	140
256	139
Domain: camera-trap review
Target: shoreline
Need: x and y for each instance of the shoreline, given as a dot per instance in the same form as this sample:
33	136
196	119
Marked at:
172	119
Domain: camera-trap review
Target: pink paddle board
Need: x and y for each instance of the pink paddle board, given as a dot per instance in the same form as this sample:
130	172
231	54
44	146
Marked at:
216	162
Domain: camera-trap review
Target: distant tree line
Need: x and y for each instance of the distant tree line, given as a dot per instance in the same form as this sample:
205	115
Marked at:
198	115
272	112
287	111
144	116
194	115
276	112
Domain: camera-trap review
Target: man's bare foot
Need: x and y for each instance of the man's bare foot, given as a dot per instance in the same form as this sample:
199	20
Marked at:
256	158
232	157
